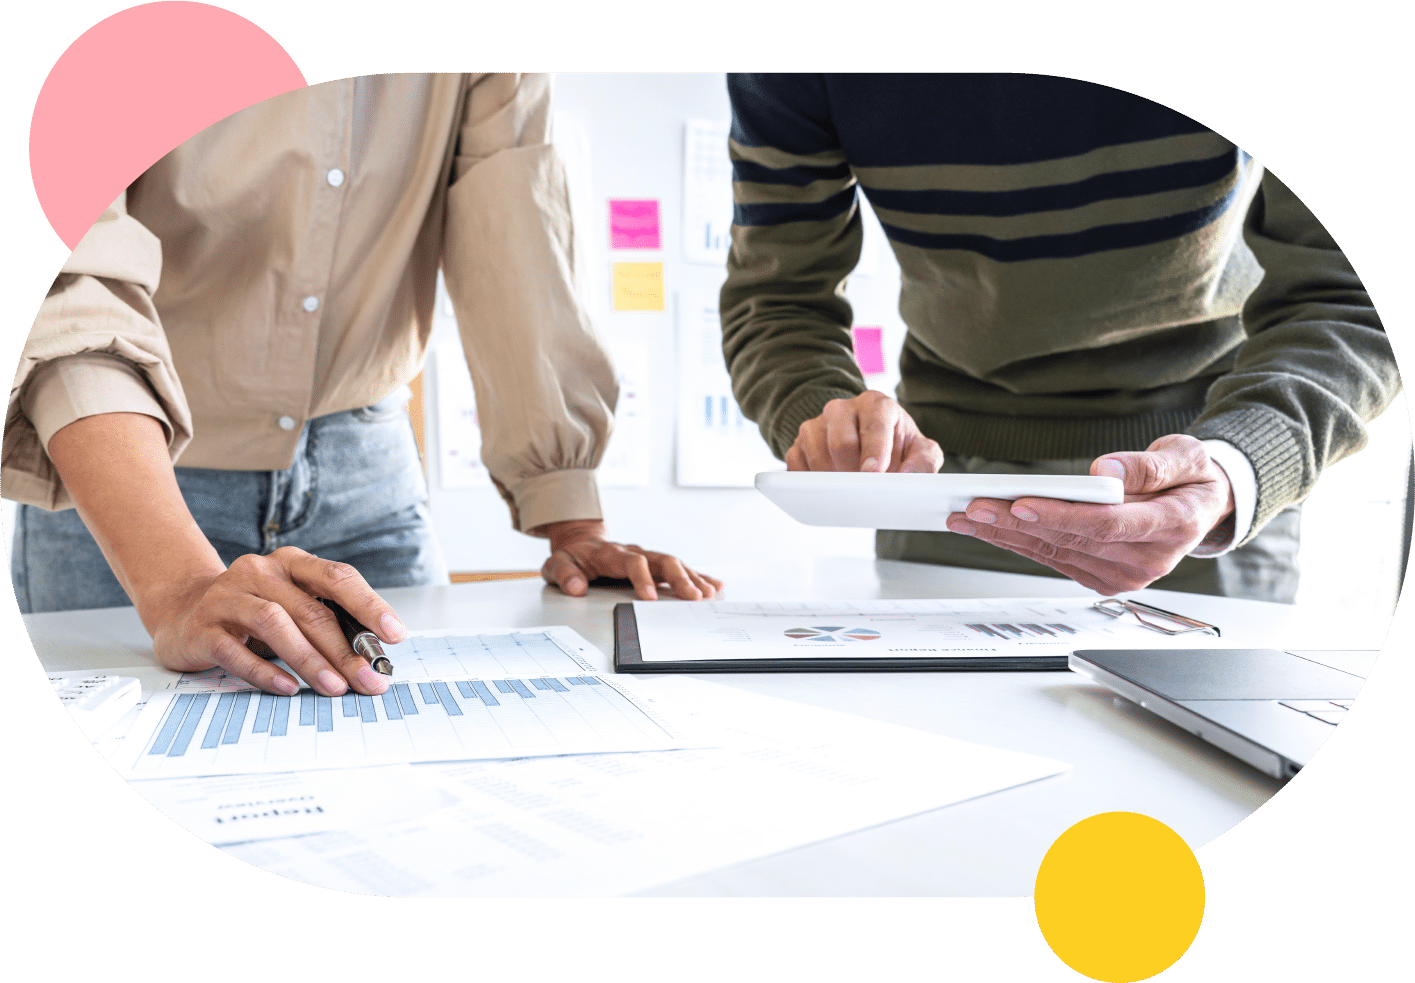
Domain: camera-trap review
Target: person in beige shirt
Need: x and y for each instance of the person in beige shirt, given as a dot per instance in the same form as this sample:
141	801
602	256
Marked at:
251	307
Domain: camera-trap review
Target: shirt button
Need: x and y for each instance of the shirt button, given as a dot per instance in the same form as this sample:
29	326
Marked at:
286	423
335	177
310	303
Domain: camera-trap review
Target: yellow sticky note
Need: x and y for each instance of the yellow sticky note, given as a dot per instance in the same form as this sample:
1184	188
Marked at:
638	286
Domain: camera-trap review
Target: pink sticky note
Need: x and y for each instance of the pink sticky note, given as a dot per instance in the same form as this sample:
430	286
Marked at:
633	223
869	349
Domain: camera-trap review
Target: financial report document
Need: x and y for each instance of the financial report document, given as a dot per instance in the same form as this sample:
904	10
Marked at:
979	627
785	775
453	697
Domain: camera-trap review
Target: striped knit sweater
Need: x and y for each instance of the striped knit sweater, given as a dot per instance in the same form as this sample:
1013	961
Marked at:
1083	271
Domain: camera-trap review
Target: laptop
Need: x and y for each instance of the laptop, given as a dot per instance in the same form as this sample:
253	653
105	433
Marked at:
1269	708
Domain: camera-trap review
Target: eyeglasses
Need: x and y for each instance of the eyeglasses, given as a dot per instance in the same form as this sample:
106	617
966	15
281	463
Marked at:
1151	616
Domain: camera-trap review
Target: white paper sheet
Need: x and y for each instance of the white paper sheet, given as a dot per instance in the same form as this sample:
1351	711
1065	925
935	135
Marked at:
597	825
707	192
970	627
453	698
626	460
718	447
242	808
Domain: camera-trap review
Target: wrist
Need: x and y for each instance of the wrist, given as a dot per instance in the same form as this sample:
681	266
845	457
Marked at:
562	534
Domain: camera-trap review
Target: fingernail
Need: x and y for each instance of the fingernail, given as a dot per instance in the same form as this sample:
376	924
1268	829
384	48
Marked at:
286	685
371	680
392	628
574	585
871	464
982	515
961	526
1024	513
1111	468
331	683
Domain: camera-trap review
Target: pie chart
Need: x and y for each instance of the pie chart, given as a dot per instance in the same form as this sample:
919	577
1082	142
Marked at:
832	633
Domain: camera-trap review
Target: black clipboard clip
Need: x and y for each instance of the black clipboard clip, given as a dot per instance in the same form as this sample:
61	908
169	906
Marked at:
1151	617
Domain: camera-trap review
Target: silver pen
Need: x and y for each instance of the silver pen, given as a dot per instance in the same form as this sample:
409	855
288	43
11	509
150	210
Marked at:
360	639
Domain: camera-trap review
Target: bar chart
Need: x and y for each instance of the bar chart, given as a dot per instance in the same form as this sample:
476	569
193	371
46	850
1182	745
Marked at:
184	733
523	653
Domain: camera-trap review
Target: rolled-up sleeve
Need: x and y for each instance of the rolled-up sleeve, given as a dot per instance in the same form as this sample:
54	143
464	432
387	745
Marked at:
545	387
97	346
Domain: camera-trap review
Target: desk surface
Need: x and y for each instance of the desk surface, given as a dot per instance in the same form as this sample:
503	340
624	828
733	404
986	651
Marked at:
1125	758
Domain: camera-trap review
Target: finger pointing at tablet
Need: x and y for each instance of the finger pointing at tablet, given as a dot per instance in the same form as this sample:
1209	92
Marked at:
868	433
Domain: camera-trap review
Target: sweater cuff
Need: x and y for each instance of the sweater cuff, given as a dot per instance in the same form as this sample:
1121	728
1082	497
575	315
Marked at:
556	496
1282	464
67	389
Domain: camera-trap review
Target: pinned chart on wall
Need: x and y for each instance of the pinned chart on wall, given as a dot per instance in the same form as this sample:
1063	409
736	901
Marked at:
634	224
718	447
638	286
707	192
626	460
869	349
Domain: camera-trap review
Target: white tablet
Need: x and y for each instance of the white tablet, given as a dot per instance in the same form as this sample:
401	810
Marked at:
916	501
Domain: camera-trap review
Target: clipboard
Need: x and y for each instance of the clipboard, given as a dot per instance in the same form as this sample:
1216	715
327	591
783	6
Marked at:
628	653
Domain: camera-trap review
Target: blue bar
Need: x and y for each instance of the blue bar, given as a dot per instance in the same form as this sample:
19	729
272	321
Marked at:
189	725
237	720
449	702
707	405
390	705
520	687
324	715
218	720
262	714
540	684
405	699
589	680
722	402
429	694
465	688
504	686
307	697
366	711
175	713
1066	628
485	694
555	685
351	704
1040	630
280	716
574	680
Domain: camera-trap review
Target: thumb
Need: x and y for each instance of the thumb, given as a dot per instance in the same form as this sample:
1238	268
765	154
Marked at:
1146	472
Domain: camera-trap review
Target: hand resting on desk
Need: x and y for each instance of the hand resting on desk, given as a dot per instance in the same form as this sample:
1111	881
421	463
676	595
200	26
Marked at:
1176	498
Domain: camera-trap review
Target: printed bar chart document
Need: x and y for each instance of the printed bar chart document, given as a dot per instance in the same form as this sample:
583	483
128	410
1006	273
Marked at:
453	697
786	775
971	633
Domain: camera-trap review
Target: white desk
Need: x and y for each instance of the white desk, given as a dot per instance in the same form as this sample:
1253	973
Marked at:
1125	758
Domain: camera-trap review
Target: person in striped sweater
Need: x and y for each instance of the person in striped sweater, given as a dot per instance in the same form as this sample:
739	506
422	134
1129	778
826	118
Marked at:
1092	283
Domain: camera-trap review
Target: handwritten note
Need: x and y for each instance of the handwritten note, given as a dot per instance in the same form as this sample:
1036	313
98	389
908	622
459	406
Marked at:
869	349
638	286
633	223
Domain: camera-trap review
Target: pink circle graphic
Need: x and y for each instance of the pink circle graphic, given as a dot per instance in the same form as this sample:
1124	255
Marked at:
134	86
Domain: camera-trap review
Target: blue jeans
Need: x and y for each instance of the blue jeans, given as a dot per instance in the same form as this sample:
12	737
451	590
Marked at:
354	493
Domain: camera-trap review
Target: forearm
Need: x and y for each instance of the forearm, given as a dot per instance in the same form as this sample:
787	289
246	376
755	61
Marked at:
117	469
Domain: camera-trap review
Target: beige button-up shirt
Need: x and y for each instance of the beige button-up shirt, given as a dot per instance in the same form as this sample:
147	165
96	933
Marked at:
281	265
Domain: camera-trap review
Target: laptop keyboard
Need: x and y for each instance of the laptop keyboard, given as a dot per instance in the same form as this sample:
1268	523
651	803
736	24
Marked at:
1327	711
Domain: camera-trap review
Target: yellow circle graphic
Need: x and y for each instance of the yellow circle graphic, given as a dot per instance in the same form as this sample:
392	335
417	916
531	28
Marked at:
1119	897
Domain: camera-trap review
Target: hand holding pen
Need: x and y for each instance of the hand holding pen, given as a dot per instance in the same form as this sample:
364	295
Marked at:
360	639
